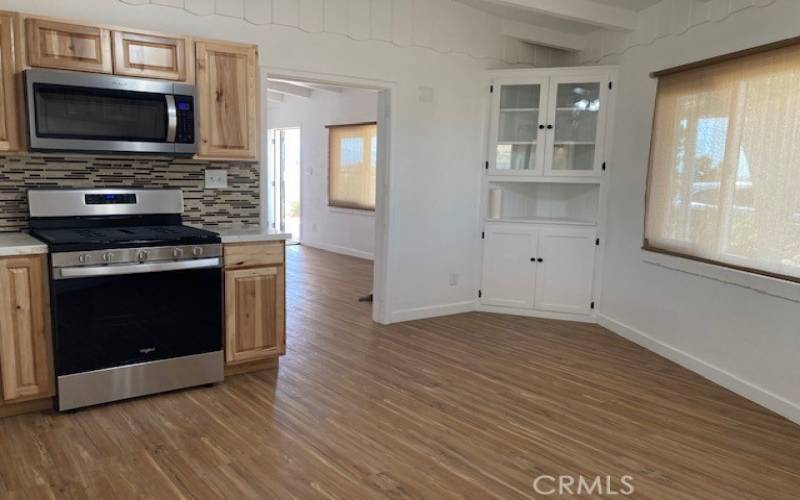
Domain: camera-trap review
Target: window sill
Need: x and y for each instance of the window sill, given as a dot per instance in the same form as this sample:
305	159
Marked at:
762	284
352	211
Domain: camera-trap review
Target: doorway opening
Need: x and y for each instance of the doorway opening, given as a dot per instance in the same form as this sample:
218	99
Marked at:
284	179
342	130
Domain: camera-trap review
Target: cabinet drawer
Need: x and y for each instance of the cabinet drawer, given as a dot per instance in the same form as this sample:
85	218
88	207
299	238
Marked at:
58	45
238	256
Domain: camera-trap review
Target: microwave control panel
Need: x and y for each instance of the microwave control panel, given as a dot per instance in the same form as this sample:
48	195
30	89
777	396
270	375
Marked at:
185	109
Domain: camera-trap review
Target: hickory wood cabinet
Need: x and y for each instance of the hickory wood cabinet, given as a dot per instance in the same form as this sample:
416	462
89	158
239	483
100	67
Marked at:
226	75
227	89
25	338
9	121
255	315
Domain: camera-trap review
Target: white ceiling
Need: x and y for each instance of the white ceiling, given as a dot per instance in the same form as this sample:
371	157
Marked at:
562	23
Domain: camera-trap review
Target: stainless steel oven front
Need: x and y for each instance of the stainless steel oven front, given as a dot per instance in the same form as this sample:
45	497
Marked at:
87	112
148	322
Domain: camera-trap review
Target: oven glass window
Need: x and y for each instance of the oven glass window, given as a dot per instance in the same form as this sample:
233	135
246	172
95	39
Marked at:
103	322
65	112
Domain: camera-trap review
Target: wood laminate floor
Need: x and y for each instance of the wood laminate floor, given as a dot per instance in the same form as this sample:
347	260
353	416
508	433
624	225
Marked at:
470	406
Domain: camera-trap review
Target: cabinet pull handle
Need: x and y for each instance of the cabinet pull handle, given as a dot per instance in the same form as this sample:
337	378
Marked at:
549	127
541	127
533	259
540	259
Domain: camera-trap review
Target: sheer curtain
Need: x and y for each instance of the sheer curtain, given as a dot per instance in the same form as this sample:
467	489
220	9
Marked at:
352	165
724	177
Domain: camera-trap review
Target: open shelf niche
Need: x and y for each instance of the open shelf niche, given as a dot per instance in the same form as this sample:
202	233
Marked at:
546	203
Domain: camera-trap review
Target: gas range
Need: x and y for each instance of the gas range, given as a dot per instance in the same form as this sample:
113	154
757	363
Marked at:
136	295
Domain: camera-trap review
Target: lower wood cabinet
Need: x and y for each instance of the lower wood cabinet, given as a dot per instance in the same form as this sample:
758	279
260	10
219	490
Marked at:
25	337
255	315
546	269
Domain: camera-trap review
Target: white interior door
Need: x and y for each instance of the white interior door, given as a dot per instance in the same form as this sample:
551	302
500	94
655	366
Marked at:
565	275
575	125
509	274
517	127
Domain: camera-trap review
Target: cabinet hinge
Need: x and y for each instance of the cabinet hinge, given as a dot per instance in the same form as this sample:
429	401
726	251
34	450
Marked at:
591	305
480	294
483	235
597	242
610	85
604	166
491	89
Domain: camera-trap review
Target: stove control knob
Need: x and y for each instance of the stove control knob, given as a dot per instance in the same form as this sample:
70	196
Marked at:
143	255
108	257
197	251
85	258
177	253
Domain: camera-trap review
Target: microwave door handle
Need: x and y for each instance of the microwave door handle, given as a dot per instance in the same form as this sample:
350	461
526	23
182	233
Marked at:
172	118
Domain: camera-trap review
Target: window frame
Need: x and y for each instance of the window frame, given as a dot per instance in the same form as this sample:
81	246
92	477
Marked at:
332	204
667	256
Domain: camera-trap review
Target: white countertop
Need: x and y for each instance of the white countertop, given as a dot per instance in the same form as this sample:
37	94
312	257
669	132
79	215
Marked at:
20	244
247	234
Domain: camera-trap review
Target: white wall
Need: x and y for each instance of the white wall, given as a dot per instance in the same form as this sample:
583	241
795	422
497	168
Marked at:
436	146
744	339
350	232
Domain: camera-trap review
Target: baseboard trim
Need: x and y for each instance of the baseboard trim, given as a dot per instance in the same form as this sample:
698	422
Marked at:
533	313
713	373
432	311
352	252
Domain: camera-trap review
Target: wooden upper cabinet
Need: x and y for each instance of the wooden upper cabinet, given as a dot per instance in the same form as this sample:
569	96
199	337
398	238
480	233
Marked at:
9	122
52	44
227	100
150	56
254	314
25	352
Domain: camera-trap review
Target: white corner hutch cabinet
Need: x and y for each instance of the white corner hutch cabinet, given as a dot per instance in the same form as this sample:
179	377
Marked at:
544	191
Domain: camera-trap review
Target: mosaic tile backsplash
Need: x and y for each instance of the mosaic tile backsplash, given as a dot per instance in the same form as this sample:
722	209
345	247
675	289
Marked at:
238	204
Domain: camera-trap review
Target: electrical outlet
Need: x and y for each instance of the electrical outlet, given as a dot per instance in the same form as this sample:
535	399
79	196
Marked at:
453	279
216	179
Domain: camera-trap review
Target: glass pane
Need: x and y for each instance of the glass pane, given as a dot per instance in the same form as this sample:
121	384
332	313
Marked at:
518	127
577	107
519	96
516	156
77	113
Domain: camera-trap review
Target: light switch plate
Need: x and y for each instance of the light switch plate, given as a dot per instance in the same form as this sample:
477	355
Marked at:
216	179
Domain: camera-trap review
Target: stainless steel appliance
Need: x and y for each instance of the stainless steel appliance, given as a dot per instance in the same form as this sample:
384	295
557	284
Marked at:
136	296
75	111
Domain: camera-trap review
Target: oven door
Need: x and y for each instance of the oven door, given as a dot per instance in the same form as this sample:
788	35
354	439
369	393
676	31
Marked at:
70	111
112	320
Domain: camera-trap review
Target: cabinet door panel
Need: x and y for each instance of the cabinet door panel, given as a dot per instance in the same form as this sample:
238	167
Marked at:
68	46
24	329
564	278
150	56
508	273
227	93
9	125
516	140
254	314
577	113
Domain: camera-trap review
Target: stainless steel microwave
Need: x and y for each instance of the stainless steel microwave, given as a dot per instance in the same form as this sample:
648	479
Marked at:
87	112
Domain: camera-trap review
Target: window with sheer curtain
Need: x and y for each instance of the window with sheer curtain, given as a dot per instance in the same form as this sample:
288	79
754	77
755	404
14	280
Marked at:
352	165
724	176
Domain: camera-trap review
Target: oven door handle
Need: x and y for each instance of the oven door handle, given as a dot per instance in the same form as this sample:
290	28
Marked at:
172	118
121	269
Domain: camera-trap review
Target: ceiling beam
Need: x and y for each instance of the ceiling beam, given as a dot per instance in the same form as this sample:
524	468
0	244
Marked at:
543	36
580	11
289	89
274	96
